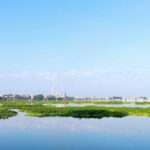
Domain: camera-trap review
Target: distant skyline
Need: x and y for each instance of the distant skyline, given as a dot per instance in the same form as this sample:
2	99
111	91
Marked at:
84	47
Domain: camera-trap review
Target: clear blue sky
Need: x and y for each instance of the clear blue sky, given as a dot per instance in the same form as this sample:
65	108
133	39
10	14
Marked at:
86	47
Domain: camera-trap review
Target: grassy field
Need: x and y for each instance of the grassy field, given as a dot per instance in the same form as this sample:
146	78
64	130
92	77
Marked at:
39	110
68	102
86	112
142	103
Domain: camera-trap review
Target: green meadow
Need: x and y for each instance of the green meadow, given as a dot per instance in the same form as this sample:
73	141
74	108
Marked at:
37	109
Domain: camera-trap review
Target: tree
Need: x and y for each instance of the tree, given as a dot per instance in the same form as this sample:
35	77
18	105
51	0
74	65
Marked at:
51	98
38	97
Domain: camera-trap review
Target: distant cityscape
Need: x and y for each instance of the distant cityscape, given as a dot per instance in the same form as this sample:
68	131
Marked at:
56	96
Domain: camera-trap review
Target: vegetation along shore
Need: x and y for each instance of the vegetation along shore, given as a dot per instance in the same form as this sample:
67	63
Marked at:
38	109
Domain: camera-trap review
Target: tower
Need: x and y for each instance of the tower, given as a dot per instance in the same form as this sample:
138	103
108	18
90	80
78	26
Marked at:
65	96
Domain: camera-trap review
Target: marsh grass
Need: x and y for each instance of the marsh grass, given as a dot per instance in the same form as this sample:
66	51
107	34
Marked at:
39	110
5	113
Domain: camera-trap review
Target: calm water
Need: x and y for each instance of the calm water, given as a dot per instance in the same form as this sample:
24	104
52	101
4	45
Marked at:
31	133
105	105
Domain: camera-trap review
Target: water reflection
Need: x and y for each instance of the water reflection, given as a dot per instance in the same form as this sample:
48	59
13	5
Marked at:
123	125
71	134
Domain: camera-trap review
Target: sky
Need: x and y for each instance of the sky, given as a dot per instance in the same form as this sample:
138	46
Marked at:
83	47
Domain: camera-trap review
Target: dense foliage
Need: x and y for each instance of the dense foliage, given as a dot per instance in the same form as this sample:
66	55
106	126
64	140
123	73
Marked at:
77	112
5	113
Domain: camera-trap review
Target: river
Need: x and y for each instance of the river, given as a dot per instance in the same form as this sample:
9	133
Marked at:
59	133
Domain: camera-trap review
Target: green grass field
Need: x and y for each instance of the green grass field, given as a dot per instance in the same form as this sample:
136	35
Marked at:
39	110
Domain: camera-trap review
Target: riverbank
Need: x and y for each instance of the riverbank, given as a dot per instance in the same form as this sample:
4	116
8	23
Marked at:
38	109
